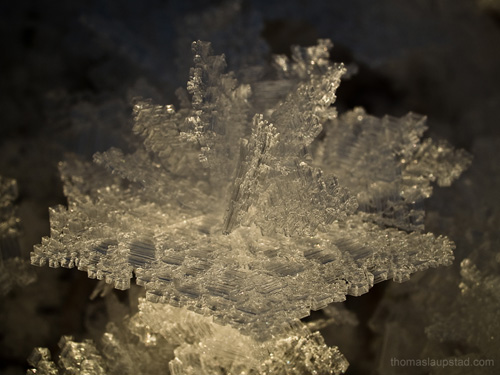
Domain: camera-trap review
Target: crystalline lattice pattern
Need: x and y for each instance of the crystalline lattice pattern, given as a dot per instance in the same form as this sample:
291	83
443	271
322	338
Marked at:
161	336
234	209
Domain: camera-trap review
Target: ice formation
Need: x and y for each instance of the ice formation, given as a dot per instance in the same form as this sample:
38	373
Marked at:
13	269
460	311
160	336
9	220
478	297
452	315
255	211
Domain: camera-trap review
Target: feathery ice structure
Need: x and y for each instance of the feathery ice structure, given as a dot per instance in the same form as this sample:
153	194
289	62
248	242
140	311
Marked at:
160	337
254	203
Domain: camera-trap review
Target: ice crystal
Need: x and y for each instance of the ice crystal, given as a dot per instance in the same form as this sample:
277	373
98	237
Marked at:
255	211
457	310
451	315
13	269
233	29
384	162
9	221
479	297
160	336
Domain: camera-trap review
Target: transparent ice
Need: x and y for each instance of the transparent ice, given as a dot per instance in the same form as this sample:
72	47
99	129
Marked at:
160	337
234	208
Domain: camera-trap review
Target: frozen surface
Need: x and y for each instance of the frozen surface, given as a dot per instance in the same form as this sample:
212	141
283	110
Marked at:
255	211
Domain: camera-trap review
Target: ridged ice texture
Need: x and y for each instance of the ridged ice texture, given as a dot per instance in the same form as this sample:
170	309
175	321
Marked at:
161	337
236	209
384	162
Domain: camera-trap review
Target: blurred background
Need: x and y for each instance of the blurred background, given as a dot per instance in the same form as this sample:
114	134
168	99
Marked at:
69	71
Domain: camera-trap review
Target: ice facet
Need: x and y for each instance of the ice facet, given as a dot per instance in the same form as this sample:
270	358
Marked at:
235	208
384	162
160	337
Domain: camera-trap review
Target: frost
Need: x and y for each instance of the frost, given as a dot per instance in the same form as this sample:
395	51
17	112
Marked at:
252	211
451	315
160	336
9	222
14	271
384	162
479	297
